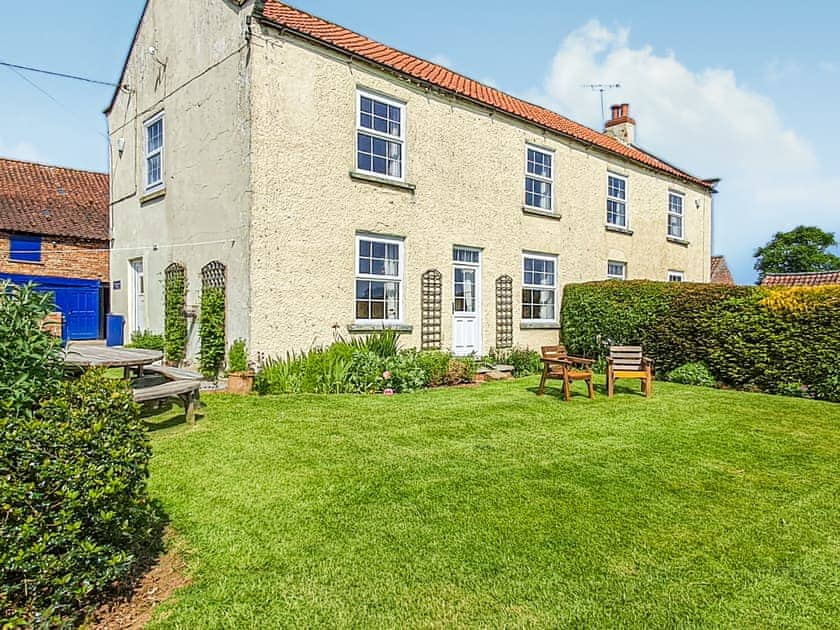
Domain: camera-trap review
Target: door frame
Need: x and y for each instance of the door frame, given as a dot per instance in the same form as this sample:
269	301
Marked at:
132	295
479	307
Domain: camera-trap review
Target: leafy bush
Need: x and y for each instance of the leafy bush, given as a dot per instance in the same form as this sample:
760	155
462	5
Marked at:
366	371
794	390
404	372
147	340
31	365
75	510
692	374
524	360
238	357
460	370
211	330
748	337
436	366
828	388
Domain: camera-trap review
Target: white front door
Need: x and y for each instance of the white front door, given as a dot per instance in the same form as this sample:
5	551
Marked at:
466	302
137	308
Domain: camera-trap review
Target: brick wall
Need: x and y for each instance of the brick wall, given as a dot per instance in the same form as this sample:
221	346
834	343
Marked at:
61	256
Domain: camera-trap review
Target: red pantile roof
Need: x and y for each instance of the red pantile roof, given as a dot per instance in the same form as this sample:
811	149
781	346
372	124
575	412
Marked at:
806	279
720	272
54	201
357	45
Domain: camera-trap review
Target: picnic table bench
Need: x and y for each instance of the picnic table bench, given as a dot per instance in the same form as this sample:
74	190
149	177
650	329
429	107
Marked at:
186	390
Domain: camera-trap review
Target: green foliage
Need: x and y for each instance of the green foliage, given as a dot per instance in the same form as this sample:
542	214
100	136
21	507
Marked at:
147	340
829	387
361	366
211	330
404	372
524	360
238	357
748	337
175	322
460	370
799	250
436	366
383	343
73	499
30	360
793	390
692	374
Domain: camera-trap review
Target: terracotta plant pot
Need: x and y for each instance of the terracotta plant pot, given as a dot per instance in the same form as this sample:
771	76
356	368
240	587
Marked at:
240	382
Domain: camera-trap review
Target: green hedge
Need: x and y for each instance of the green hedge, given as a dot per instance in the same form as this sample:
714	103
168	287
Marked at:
749	337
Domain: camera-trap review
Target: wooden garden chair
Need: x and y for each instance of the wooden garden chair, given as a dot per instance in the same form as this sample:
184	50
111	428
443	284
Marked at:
629	362
557	364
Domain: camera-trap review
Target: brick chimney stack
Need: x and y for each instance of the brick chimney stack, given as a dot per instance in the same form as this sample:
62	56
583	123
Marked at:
621	126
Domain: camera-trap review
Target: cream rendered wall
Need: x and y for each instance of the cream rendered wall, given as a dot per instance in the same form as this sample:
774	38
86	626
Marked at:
202	90
468	168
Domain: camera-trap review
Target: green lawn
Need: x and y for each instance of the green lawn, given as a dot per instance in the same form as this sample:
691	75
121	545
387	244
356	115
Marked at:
492	507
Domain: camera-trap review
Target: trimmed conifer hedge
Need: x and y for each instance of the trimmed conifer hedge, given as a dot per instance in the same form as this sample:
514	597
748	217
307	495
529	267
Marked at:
749	337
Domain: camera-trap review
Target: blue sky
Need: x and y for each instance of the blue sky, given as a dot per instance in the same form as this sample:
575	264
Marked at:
721	89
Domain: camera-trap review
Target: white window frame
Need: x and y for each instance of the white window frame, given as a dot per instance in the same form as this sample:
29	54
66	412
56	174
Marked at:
540	287
401	139
400	243
157	185
681	214
625	201
539	178
623	275
676	276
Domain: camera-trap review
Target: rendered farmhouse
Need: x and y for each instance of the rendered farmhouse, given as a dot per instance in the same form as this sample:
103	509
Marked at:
332	183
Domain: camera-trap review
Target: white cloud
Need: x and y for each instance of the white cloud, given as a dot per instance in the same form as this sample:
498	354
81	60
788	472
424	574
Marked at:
21	150
827	67
441	59
705	122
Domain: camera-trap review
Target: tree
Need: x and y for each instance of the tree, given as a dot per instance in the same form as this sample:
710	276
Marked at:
802	249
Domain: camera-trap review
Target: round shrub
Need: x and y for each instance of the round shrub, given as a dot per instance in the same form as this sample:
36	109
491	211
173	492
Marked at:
74	510
692	374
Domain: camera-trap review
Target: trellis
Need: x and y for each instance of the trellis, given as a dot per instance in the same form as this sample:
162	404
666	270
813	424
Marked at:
431	310
504	312
213	275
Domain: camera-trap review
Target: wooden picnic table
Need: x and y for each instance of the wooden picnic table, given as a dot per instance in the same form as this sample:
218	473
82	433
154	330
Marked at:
90	355
168	382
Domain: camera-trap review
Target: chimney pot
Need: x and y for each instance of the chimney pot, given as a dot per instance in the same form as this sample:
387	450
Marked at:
621	126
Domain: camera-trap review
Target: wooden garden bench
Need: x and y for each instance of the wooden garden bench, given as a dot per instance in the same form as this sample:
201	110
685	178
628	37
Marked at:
173	373
557	364
186	391
629	362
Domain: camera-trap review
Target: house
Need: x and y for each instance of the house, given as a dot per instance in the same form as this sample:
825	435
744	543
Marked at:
333	184
54	232
720	273
805	279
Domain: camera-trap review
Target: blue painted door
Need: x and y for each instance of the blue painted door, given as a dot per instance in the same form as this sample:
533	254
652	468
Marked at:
78	301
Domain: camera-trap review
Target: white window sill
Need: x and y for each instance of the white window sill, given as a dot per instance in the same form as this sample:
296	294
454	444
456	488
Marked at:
151	195
540	212
37	263
618	229
678	241
536	325
369	327
384	181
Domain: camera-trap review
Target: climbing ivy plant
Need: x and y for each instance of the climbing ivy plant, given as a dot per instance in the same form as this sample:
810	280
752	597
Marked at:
211	329
175	322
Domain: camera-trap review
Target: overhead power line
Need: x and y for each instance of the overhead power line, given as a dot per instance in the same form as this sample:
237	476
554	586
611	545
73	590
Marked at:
58	74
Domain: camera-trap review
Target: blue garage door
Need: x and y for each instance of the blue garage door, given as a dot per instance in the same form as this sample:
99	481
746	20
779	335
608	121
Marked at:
78	301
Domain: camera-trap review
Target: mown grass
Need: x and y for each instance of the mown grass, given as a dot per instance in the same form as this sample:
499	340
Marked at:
492	507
